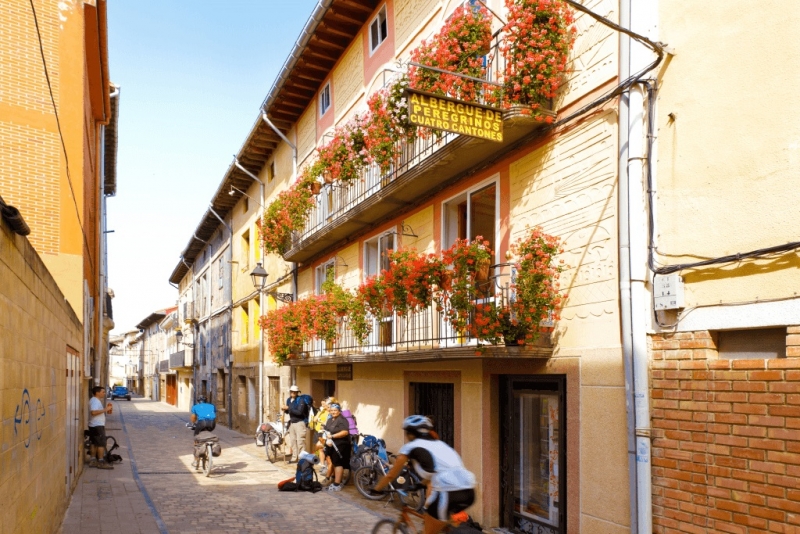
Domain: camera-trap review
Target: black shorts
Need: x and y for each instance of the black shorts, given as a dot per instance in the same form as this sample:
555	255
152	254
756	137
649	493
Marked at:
97	435
341	458
205	424
446	503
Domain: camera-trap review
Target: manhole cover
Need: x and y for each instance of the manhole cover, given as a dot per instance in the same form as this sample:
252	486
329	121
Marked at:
268	515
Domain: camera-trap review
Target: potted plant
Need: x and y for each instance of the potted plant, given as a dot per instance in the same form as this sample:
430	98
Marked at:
536	288
343	157
538	37
284	331
466	259
283	215
458	47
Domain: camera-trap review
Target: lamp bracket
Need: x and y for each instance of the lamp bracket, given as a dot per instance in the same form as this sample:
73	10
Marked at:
284	297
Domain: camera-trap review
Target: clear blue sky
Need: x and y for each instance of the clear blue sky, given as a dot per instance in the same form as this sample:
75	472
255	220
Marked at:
192	77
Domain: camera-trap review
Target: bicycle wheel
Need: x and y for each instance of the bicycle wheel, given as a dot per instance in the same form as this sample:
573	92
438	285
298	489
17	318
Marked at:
365	479
414	499
389	526
208	460
272	452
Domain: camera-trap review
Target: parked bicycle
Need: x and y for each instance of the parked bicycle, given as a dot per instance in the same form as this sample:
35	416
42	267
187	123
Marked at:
407	485
367	452
272	436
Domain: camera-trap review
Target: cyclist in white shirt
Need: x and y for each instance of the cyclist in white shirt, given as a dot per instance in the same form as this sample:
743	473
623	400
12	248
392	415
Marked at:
451	487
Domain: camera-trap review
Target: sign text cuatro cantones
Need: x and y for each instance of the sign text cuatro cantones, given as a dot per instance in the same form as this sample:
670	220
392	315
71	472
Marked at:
441	113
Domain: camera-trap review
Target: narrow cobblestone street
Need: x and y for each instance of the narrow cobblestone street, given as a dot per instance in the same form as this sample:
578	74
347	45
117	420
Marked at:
155	489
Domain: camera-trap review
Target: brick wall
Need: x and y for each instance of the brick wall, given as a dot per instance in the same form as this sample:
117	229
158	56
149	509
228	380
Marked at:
726	438
37	329
30	158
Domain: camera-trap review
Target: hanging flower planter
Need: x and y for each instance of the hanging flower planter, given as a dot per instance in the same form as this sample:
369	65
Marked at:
482	273
316	187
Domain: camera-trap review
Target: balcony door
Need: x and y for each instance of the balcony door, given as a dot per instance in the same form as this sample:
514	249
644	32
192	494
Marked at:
376	259
324	273
471	214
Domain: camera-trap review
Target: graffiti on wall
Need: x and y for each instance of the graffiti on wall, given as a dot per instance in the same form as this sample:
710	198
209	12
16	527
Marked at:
29	418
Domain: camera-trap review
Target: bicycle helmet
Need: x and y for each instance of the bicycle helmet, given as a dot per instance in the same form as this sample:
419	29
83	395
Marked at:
202	399
417	424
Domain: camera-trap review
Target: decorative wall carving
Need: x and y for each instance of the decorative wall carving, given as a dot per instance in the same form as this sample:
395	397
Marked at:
569	188
348	77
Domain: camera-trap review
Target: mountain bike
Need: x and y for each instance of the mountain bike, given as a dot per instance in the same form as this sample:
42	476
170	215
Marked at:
407	484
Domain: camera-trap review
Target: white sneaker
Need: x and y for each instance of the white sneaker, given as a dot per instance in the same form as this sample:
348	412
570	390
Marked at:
323	472
335	487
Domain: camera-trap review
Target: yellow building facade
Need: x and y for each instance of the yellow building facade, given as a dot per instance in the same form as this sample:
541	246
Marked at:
572	381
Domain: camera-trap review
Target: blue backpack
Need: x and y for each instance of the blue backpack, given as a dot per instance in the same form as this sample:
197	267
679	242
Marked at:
306	478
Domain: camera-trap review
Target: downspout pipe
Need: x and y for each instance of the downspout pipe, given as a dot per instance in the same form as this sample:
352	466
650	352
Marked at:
294	177
195	337
634	296
261	417
285	140
625	268
229	400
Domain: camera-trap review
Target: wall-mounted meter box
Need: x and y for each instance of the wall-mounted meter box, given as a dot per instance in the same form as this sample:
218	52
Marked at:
668	292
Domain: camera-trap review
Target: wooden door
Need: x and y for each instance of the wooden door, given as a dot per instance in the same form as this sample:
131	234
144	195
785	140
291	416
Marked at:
172	390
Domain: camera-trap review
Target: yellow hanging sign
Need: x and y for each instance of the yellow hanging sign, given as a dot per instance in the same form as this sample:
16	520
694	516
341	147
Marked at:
441	113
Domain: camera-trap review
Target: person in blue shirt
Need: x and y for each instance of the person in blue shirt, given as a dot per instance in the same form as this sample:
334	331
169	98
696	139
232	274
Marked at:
204	416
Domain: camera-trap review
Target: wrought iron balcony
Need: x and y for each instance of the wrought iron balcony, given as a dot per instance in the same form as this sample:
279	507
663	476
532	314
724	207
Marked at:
423	167
423	335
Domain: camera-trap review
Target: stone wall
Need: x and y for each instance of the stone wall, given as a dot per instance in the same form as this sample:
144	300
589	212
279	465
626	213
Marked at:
726	438
38	332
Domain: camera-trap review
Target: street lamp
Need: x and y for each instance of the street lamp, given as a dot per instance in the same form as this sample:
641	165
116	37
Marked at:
259	277
179	339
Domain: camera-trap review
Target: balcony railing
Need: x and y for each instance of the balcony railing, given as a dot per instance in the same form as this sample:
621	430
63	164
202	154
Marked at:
425	334
423	166
181	359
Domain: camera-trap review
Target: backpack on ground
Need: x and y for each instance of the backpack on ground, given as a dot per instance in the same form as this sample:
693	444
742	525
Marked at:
306	477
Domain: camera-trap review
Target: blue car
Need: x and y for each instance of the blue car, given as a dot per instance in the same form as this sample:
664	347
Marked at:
120	392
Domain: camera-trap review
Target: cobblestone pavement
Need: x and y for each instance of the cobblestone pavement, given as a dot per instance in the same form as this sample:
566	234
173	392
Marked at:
155	489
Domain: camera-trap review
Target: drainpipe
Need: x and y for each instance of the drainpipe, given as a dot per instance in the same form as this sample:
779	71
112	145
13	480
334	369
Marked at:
230	364
262	303
634	296
195	337
294	176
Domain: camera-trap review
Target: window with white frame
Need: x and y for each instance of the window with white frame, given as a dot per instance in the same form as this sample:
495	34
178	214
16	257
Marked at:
376	259
324	273
378	30
376	253
325	99
472	213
